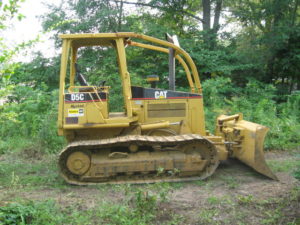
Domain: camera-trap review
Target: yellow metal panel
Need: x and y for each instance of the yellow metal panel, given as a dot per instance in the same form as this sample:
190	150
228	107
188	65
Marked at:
95	114
139	109
196	119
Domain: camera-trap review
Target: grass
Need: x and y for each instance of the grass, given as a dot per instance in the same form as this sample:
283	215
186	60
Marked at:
230	181
15	144
287	165
43	212
247	209
245	199
175	219
274	209
213	200
206	184
29	174
140	207
132	204
209	216
139	203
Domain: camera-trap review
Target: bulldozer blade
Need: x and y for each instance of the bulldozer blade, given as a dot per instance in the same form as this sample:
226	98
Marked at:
251	150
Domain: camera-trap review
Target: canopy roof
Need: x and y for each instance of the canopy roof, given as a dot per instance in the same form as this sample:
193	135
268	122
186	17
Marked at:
103	39
107	39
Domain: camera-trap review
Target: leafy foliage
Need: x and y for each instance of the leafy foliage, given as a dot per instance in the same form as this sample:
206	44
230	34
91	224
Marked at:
252	70
257	102
34	115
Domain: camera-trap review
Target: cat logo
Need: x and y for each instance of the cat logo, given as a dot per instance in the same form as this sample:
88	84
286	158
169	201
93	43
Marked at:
160	94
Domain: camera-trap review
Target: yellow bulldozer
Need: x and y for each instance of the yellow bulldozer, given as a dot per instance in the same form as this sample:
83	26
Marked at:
159	136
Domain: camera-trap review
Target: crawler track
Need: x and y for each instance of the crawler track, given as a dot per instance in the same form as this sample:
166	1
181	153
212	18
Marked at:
138	159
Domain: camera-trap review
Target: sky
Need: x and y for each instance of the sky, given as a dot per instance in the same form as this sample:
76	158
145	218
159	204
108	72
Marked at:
30	27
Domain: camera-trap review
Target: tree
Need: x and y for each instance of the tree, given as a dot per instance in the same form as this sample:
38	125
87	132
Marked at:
275	24
7	12
184	12
7	68
211	32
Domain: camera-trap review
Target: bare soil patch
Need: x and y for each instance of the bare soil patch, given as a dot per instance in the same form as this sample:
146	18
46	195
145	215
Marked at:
235	194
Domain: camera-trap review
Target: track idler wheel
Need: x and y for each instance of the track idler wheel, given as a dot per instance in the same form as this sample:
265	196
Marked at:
78	162
203	152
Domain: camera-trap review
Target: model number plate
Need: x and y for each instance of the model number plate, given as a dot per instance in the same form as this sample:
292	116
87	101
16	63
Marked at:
77	97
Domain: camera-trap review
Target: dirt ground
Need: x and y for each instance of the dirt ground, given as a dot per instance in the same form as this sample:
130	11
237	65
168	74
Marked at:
235	194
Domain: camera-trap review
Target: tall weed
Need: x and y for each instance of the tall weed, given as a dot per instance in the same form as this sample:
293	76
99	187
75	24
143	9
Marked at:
34	118
257	103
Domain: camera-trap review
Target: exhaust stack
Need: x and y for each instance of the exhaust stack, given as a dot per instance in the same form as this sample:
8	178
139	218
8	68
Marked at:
174	40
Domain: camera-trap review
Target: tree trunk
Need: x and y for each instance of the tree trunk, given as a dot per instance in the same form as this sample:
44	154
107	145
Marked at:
216	25
271	72
218	8
206	14
206	22
294	15
120	16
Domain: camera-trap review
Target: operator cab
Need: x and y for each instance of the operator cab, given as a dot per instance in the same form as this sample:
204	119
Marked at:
83	105
95	93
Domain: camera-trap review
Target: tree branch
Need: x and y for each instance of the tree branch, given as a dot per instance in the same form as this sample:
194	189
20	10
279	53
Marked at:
162	8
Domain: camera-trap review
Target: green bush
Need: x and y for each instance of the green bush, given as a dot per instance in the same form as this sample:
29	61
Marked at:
257	103
34	118
31	112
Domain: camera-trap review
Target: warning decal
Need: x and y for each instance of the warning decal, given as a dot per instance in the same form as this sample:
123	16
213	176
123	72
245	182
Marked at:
75	112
